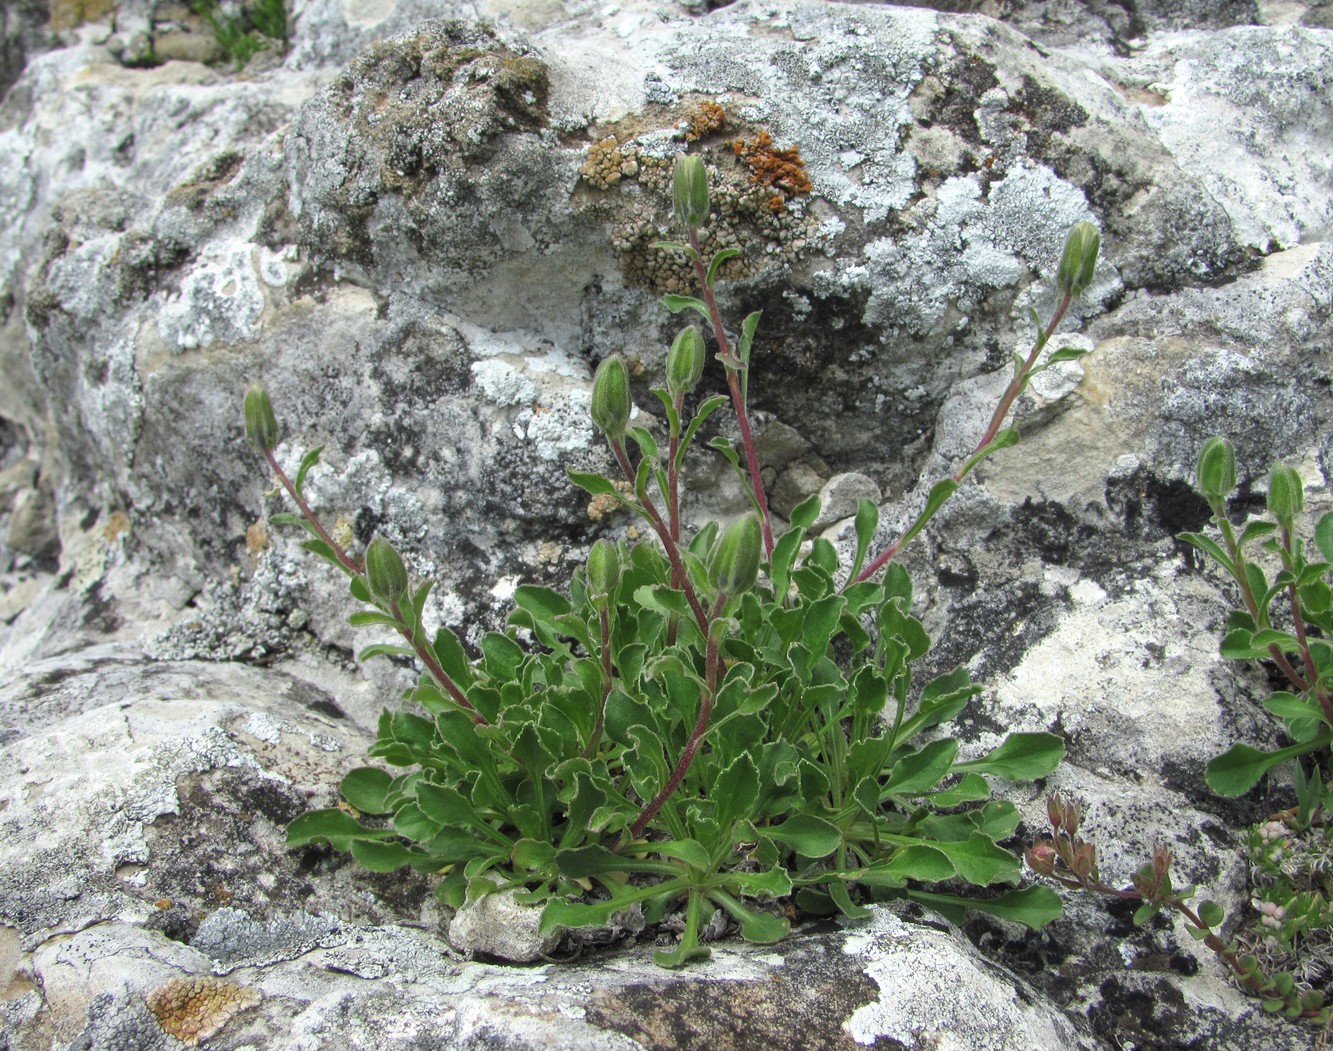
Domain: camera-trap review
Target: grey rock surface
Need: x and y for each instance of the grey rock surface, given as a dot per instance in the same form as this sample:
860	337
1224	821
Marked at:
421	227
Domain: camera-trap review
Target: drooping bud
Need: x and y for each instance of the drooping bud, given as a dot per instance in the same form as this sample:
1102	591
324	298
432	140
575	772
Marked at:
386	575
1286	494
603	572
611	403
685	362
1085	862
734	564
1080	259
690	191
1216	472
261	426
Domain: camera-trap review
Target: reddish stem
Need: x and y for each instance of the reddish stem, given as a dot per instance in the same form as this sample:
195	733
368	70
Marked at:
728	357
663	534
996	422
347	561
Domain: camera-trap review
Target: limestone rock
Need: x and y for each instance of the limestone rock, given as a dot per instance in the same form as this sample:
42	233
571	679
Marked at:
406	228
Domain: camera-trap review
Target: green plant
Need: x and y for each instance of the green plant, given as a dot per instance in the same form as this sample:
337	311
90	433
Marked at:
699	721
1280	951
244	33
1288	620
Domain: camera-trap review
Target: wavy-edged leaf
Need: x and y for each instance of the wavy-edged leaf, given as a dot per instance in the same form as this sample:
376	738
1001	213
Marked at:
921	771
807	835
308	461
335	827
718	259
1020	757
365	788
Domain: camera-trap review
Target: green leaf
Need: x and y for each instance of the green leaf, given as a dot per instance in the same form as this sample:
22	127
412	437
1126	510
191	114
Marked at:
706	409
1021	757
383	649
594	484
382	856
735	792
307	461
1211	913
761	928
718	259
980	860
867	521
918	861
1145	912
921	771
843	900
335	827
1065	354
770	883
690	851
1212	548
972	788
1323	536
366	618
365	788
1289	706
807	835
676	304
453	658
543	603
674	246
939	493
803	515
1034	907
1239	768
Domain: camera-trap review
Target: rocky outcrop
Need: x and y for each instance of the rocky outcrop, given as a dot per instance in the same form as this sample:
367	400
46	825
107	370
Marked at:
422	236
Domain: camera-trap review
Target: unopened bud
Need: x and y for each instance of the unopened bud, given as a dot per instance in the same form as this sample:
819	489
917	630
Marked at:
690	191
261	426
1286	494
1161	862
685	362
1080	259
603	573
611	403
734	565
1085	861
1073	817
1216	473
1041	858
1054	810
386	575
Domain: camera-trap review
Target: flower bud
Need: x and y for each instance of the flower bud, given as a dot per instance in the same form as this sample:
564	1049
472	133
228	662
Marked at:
1085	861
1216	473
1080	259
611	403
685	362
1055	811
261	426
1041	858
603	572
734	565
386	575
1286	494
690	191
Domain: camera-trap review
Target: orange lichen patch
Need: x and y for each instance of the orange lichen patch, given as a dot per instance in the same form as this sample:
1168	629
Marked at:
702	119
783	170
193	1009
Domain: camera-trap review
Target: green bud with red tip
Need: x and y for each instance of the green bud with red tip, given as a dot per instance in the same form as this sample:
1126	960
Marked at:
1079	262
733	566
261	426
690	191
611	404
386	576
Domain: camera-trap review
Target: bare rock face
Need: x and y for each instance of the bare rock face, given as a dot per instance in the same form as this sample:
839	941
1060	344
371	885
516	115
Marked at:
422	233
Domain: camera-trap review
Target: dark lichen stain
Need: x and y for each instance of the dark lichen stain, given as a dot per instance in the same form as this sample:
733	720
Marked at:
803	1007
217	171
